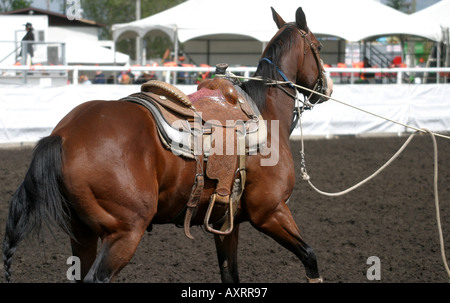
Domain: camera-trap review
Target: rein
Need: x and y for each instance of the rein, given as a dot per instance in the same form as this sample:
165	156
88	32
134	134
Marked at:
298	110
279	71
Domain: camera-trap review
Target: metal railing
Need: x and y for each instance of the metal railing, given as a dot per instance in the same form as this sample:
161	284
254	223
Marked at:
174	74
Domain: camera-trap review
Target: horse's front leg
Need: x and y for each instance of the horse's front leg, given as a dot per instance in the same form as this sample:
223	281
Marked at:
280	226
227	255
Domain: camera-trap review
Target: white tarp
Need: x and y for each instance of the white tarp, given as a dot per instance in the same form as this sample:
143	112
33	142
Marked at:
28	113
352	20
79	53
421	106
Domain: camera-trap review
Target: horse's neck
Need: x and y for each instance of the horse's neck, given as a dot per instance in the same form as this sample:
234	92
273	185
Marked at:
278	110
279	104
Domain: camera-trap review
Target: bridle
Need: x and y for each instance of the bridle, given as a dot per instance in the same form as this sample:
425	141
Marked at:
320	86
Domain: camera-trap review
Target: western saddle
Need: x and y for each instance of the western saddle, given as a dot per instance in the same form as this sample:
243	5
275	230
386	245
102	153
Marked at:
218	125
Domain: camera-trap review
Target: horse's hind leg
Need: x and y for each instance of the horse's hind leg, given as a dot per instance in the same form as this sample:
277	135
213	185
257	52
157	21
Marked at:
116	251
227	255
84	245
280	226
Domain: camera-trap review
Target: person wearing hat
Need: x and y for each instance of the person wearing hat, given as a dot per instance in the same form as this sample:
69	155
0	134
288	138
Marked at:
29	36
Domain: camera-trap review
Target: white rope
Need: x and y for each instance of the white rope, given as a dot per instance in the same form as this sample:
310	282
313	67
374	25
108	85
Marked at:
306	177
274	82
435	163
436	202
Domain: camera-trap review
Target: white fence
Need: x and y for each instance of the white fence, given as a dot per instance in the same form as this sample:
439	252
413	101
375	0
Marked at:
30	112
170	74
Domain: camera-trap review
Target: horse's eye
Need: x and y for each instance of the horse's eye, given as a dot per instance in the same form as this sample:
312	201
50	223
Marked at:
320	47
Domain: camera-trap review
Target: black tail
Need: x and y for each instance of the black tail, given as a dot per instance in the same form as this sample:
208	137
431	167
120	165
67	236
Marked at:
39	199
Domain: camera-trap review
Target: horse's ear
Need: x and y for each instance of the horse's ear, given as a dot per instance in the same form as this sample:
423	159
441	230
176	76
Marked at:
300	19
278	20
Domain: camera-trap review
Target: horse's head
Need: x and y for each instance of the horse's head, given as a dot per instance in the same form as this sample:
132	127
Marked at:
306	64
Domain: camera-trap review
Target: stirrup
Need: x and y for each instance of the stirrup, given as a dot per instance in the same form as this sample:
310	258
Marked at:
230	217
233	204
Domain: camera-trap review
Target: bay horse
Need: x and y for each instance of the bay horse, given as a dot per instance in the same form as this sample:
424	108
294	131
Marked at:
103	172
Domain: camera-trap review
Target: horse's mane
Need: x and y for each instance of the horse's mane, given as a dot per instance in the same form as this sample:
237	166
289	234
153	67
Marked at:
281	44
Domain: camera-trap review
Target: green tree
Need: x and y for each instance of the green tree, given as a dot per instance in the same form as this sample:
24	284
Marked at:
402	5
10	5
111	12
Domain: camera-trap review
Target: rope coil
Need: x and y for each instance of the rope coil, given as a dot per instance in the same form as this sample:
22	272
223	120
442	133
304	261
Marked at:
307	178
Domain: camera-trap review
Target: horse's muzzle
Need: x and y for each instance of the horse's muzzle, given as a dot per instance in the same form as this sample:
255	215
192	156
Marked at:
327	88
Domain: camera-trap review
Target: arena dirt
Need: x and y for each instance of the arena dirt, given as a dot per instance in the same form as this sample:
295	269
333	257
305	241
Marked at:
392	217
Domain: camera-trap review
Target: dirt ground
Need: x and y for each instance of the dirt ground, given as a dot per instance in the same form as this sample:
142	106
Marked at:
392	217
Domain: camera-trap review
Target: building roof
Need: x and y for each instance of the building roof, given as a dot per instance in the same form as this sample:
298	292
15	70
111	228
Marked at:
54	18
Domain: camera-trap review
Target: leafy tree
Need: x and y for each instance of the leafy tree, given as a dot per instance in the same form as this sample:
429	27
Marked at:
110	12
10	5
401	5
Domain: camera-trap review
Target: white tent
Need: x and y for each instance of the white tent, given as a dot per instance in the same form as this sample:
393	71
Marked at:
356	20
437	13
352	20
78	53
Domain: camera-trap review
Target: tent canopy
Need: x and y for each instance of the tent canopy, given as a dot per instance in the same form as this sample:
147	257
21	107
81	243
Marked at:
352	20
437	13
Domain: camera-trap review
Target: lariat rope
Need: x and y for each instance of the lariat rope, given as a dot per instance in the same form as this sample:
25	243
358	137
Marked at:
275	82
307	178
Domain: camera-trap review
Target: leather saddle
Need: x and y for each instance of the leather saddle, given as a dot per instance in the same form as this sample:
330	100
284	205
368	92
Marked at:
218	125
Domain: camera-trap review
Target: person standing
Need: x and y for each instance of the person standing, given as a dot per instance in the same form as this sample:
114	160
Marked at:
29	36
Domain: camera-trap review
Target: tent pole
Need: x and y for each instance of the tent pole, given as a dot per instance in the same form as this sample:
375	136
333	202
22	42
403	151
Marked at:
208	52
447	52
402	46
364	51
144	52
115	61
138	50
175	57
138	38
438	59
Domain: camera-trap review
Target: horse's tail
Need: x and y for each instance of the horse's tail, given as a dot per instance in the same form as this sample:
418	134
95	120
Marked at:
39	199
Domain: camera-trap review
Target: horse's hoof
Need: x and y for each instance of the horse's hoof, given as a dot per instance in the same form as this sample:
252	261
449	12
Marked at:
314	280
